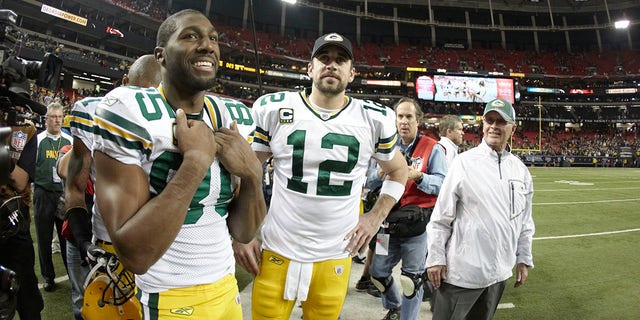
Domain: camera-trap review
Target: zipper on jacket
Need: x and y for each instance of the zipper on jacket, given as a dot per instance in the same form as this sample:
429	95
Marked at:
499	162
513	197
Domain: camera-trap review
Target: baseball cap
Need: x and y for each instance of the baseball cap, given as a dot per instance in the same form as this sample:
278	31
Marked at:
332	39
503	107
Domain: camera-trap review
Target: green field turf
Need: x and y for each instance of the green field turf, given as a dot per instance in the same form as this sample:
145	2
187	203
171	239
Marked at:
594	273
586	250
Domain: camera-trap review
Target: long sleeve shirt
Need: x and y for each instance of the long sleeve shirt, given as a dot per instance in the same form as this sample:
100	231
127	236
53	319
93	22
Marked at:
431	179
482	223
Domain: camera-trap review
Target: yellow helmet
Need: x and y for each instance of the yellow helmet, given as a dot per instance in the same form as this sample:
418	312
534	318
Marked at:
109	292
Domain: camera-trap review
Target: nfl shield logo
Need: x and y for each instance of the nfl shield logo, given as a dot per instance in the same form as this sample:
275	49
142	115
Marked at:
18	140
339	270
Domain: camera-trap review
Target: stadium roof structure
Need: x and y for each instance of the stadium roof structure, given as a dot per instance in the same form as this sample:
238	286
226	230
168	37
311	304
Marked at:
558	6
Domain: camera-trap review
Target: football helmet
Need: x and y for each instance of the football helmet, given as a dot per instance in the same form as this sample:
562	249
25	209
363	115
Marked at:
109	291
10	217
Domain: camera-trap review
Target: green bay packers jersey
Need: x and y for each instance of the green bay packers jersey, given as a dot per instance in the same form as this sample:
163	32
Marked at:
81	125
136	126
320	161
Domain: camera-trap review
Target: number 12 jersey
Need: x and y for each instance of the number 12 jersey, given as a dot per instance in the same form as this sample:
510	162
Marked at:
320	163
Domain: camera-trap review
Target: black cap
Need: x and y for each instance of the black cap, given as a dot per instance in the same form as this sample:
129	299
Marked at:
332	39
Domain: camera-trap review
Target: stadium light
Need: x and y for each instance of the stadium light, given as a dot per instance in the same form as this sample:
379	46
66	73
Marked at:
622	24
290	1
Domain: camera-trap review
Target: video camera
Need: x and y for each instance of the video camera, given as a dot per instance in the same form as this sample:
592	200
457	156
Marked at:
15	102
8	289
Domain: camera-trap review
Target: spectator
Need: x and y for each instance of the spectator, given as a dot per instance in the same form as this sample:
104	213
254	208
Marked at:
482	224
47	191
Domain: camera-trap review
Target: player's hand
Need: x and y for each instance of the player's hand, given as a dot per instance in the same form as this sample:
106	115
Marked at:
248	255
195	140
235	153
522	272
366	229
436	274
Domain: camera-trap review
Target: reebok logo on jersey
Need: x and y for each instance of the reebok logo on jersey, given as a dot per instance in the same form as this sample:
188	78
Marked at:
276	260
186	311
109	101
285	115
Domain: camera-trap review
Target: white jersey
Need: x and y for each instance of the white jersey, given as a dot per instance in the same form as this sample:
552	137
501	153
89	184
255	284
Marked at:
134	126
320	162
81	123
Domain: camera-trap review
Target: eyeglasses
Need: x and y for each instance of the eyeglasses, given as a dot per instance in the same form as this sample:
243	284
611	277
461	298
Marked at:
497	121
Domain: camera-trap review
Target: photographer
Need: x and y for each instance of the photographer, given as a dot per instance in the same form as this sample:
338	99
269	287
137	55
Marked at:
16	245
404	237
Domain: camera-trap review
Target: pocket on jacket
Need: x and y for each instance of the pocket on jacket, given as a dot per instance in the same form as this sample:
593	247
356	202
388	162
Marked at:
518	198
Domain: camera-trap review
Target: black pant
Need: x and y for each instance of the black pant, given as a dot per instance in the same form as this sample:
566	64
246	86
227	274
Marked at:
45	203
457	303
17	254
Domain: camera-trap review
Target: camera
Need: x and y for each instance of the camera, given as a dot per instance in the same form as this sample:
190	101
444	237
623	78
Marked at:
15	72
6	164
8	289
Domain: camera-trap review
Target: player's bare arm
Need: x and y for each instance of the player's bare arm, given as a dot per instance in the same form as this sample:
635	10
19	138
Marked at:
369	223
63	166
78	172
141	228
248	208
248	254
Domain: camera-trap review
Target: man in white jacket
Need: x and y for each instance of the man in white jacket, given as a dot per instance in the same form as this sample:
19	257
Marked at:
481	225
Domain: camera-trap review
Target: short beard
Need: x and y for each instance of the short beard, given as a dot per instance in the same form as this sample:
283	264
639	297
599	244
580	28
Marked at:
329	90
201	84
191	83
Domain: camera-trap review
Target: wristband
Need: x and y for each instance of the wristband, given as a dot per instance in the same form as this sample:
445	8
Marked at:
392	188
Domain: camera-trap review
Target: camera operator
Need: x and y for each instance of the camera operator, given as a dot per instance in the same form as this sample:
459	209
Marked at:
16	244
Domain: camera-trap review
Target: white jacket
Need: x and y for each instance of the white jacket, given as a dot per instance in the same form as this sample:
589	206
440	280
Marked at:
482	225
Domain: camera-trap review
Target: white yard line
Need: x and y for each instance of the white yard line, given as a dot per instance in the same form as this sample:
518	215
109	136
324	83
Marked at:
588	189
583	202
587	234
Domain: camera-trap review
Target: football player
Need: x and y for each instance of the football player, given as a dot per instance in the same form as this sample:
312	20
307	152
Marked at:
168	185
144	72
321	141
